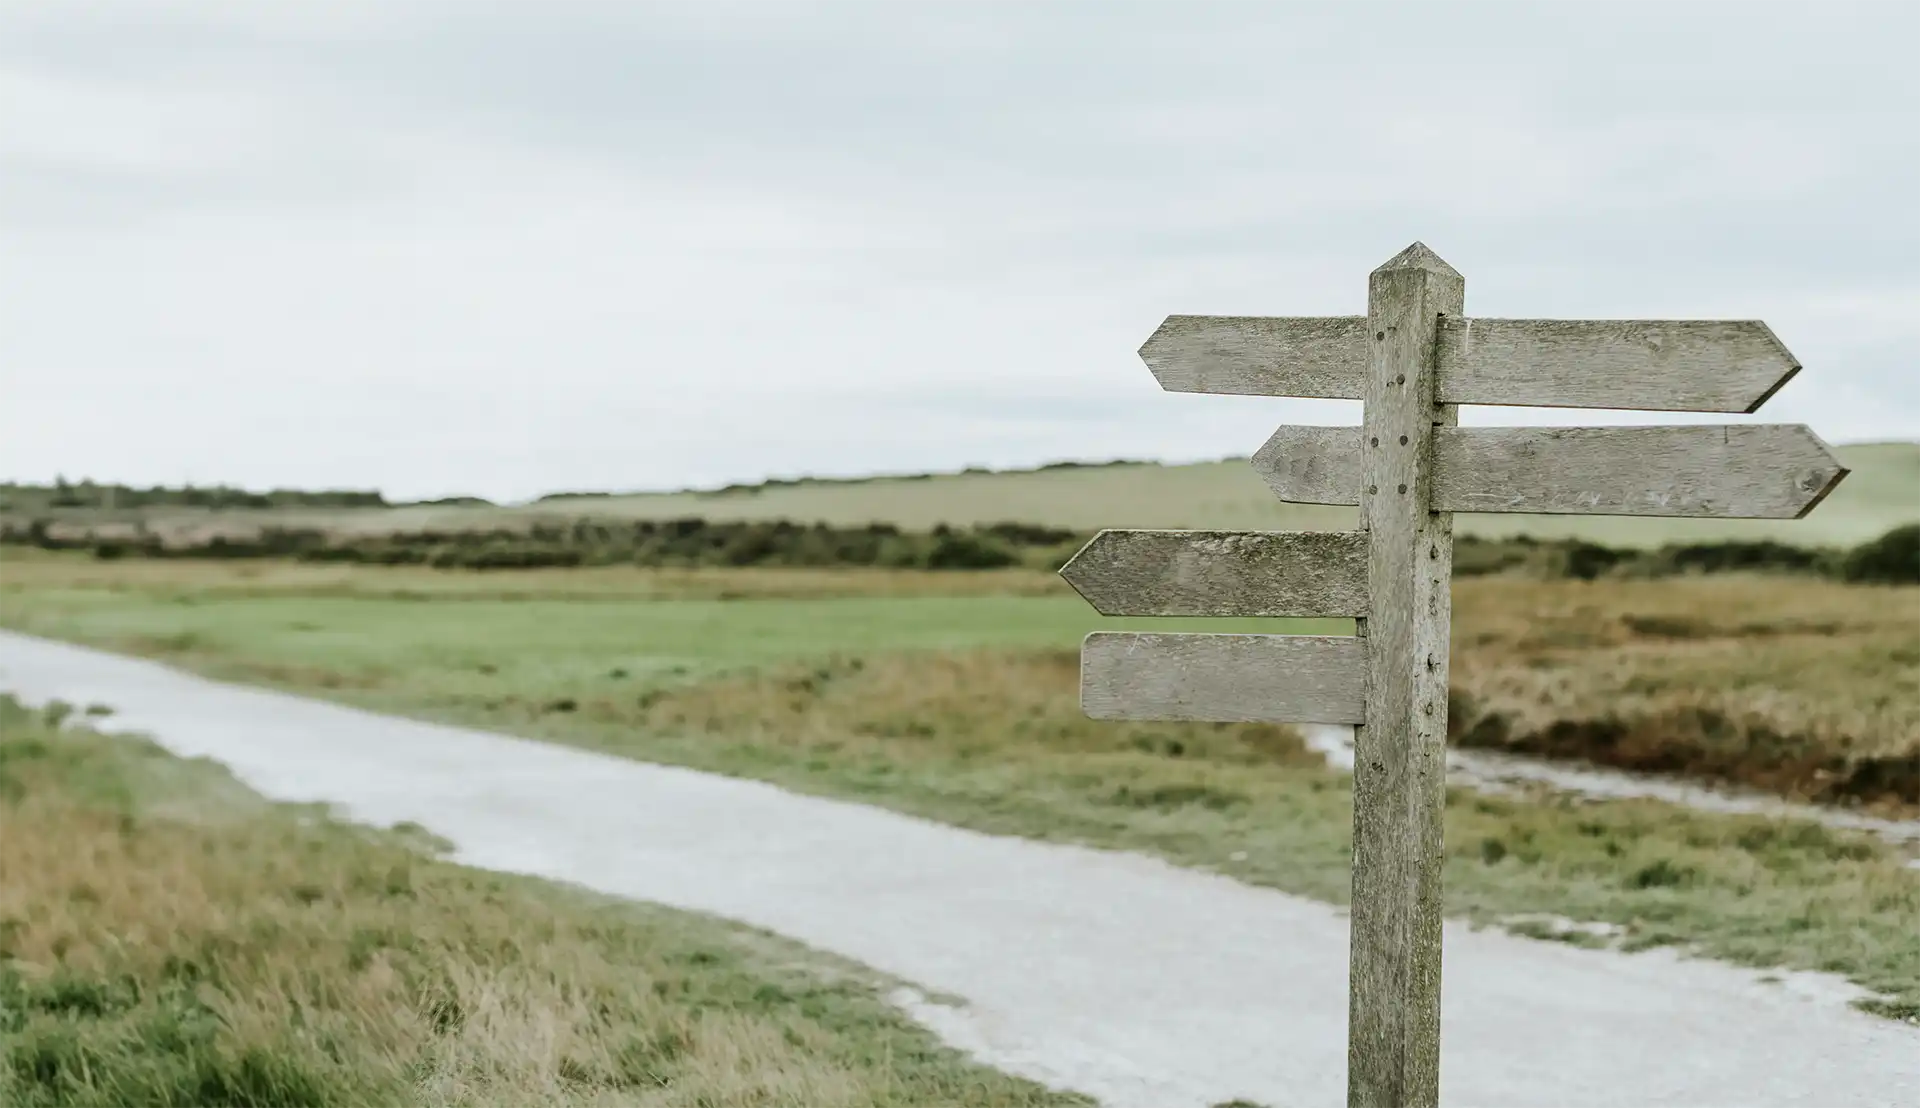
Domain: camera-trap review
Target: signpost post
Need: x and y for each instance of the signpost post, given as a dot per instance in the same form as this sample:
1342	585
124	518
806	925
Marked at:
1411	359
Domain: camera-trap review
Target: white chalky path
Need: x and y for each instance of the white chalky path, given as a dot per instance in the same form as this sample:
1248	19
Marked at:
1115	975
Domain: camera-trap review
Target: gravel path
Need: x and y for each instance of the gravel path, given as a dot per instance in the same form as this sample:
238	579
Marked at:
1133	981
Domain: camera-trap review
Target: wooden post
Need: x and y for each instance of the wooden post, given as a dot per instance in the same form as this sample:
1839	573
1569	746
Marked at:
1399	780
1411	358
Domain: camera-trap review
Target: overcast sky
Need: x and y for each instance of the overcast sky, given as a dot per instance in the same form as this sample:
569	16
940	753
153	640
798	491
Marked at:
509	248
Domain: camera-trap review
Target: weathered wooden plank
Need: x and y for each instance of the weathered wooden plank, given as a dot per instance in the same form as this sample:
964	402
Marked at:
1681	365
1761	471
1222	573
1399	772
1235	678
1259	356
1676	365
1312	465
1748	471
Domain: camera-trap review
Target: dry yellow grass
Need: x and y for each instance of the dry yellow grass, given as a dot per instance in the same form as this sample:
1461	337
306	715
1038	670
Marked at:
1799	686
168	938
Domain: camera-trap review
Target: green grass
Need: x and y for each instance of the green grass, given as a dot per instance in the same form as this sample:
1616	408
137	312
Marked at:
458	646
1878	495
168	937
964	710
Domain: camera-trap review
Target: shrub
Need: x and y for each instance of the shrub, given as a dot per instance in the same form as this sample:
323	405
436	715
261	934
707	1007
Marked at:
1584	561
1893	558
1474	556
962	550
1720	557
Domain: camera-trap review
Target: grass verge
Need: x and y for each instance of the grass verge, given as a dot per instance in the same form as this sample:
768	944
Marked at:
1805	688
964	730
1802	687
169	938
994	741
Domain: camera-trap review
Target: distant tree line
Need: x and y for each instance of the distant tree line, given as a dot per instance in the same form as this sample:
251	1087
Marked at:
64	494
89	494
1892	558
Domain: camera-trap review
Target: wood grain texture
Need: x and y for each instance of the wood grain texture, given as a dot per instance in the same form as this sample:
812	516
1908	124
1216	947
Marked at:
1692	365
1681	365
1748	471
1399	772
1231	678
1756	471
1259	356
1222	573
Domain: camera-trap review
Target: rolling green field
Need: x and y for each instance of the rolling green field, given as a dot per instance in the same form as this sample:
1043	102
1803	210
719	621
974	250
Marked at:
962	708
456	646
1881	492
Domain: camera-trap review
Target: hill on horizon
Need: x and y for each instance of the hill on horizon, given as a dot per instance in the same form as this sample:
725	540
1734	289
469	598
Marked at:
1881	492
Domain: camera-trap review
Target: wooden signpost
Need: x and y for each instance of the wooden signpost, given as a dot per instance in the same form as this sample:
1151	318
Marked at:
1411	359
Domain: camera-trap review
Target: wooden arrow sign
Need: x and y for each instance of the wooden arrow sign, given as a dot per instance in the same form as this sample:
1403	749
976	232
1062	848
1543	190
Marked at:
1412	360
1651	365
1699	365
1222	573
1234	678
1260	356
1756	471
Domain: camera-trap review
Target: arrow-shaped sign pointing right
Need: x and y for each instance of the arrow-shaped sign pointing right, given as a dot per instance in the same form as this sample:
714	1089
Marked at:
1754	471
1662	365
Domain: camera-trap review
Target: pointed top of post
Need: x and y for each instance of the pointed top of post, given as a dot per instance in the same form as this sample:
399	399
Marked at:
1418	256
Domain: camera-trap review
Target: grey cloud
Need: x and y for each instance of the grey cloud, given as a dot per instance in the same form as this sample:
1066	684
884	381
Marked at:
690	210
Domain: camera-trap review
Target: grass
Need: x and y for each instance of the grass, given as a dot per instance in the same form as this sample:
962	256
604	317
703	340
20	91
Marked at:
1801	687
25	569
995	741
963	709
404	646
1877	496
169	938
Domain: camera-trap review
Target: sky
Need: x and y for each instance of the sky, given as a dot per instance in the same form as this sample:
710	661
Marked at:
505	249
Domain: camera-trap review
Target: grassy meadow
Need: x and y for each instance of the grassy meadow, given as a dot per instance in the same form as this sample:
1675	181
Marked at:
462	638
1881	492
168	937
953	696
1799	686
